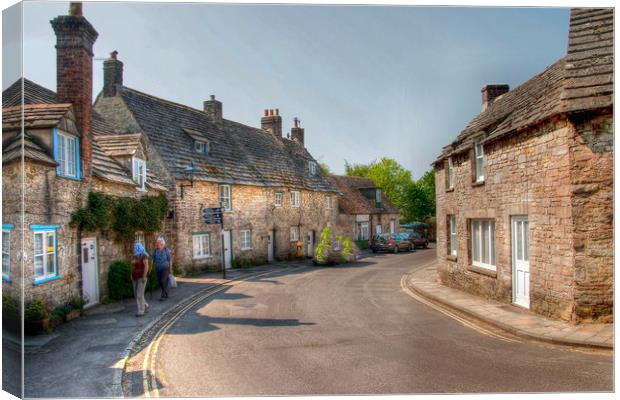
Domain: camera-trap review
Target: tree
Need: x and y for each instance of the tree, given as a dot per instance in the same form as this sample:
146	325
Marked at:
325	168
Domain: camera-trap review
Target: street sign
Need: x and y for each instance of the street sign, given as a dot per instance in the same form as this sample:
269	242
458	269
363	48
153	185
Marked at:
212	216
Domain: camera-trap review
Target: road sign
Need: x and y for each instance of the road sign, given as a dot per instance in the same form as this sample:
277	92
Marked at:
212	216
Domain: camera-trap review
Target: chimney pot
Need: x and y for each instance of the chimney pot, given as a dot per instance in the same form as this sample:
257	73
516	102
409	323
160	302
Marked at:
213	108
272	122
297	132
75	8
277	111
490	92
112	74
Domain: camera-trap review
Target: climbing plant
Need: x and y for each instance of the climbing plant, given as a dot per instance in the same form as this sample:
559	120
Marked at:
322	248
123	215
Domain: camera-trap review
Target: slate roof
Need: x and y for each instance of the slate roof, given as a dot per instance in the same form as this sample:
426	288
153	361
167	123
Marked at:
40	110
119	145
33	94
582	80
238	153
590	59
353	201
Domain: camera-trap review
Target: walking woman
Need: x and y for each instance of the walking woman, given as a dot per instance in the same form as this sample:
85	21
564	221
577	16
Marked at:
139	274
163	265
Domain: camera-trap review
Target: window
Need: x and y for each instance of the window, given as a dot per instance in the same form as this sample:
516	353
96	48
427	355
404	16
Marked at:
362	231
6	253
294	233
483	243
450	173
328	202
246	240
452	230
225	197
45	255
139	172
278	202
295	198
202	147
378	229
139	237
67	154
392	226
201	245
479	154
378	198
312	167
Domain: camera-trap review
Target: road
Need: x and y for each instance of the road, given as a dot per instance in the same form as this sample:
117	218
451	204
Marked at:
352	330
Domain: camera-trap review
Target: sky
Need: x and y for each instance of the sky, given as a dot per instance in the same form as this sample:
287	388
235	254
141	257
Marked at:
366	81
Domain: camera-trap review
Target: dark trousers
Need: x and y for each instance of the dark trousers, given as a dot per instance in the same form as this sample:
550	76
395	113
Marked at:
162	278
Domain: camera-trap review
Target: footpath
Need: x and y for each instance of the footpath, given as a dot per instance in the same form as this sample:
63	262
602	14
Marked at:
83	357
513	319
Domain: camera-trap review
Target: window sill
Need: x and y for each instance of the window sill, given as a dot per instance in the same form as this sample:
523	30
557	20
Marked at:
202	257
451	257
478	183
6	279
483	271
44	280
248	249
73	178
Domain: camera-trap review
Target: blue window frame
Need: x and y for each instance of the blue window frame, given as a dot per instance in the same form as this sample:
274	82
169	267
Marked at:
6	251
67	155
45	253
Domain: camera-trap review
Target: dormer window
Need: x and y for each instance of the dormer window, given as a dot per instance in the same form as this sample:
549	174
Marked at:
67	155
312	167
378	198
479	161
202	147
139	172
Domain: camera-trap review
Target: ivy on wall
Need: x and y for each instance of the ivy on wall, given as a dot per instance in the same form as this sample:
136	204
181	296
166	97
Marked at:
123	215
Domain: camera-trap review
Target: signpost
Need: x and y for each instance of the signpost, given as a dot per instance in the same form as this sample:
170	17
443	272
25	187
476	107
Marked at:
214	216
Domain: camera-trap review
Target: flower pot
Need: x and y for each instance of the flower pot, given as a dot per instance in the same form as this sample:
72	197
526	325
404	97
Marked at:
73	314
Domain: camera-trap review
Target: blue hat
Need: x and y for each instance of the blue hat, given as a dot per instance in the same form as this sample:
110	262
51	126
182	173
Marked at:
138	249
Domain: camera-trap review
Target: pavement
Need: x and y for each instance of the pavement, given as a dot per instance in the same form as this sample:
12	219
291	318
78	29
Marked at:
86	354
348	329
513	319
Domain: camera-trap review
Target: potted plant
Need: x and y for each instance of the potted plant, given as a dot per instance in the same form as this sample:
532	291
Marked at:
76	307
59	315
35	317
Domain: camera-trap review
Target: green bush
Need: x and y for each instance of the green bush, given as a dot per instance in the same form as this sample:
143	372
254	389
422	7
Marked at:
347	251
76	303
362	244
9	307
36	310
60	311
322	249
119	280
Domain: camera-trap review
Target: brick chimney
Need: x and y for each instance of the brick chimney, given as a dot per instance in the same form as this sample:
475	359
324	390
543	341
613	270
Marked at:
272	122
75	37
297	132
213	108
491	92
112	75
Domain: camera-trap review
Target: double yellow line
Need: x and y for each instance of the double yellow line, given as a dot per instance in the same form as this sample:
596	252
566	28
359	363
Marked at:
150	369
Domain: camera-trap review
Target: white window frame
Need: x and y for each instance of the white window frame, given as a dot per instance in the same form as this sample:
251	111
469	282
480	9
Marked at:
201	245
452	233
479	161
328	202
312	167
450	174
278	199
363	231
6	252
378	196
138	172
378	229
295	231
245	239
202	147
139	237
66	157
295	198
44	254
225	197
476	240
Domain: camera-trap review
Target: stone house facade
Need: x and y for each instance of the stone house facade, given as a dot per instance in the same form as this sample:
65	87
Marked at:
363	209
51	160
525	192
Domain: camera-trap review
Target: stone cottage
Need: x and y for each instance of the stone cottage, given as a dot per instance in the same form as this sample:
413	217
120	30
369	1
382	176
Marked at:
525	191
364	210
51	160
274	197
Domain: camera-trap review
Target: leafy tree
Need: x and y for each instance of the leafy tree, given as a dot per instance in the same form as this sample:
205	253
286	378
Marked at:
325	168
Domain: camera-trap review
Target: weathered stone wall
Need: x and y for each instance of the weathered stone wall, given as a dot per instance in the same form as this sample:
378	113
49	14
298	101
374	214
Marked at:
526	174
591	179
11	214
252	209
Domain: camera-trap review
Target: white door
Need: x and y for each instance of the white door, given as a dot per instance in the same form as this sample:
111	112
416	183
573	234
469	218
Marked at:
90	272
270	246
392	227
227	248
521	262
311	244
378	230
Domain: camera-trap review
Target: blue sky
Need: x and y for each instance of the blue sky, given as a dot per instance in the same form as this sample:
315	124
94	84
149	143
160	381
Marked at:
366	81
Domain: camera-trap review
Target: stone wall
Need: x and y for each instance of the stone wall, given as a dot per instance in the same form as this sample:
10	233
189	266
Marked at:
525	174
253	209
591	178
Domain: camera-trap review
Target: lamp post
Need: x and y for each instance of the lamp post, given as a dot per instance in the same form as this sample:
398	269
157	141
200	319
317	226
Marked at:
189	172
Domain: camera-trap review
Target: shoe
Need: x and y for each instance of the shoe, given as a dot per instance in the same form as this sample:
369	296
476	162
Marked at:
139	315
147	308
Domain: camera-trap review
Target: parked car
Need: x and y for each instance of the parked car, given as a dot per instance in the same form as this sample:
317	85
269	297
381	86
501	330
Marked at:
416	239
390	242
